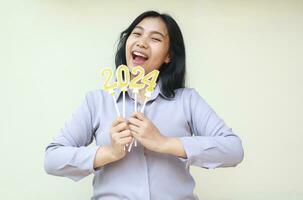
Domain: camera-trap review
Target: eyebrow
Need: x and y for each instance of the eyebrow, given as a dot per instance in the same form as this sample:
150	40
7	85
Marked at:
153	32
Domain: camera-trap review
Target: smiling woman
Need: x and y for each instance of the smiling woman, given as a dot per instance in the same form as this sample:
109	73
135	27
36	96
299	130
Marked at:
158	168
159	39
148	45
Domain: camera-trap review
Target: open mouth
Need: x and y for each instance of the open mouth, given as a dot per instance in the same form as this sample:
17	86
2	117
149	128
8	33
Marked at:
138	57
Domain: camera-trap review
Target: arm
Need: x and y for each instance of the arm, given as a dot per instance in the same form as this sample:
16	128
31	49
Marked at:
215	144
104	156
173	146
120	136
68	154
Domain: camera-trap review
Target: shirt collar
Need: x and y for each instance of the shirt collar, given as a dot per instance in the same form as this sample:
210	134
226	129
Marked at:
130	93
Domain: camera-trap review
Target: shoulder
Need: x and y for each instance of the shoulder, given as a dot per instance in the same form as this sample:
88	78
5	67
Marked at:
95	97
188	93
191	98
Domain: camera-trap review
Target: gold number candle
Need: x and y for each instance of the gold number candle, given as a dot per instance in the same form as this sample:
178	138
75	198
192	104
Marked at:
138	72
109	87
123	77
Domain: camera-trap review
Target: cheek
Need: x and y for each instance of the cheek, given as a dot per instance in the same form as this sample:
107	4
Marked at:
128	45
160	53
127	48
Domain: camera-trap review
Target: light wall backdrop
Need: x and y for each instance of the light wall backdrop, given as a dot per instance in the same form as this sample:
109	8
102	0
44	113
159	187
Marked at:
244	57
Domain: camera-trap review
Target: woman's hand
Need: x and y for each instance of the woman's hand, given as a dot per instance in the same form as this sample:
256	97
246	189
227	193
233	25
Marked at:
120	136
146	132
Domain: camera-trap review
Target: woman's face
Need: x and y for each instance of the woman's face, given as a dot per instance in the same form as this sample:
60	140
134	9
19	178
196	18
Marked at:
148	45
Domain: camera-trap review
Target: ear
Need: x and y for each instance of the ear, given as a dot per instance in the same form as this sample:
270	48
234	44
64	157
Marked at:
167	59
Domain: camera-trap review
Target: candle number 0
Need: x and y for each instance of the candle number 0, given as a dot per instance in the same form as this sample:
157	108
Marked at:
123	70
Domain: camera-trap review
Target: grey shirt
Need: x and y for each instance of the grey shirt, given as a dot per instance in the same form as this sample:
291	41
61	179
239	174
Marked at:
143	174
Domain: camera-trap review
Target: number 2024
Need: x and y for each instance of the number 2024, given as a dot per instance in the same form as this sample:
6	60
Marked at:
138	82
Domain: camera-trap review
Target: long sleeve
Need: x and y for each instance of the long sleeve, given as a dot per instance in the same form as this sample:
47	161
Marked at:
214	144
68	154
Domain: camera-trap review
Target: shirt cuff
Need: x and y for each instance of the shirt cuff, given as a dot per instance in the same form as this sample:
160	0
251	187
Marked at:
193	147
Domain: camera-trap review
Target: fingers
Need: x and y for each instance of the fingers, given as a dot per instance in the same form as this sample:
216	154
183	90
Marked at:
122	134
137	124
122	137
117	121
135	121
124	141
134	129
119	131
120	126
139	116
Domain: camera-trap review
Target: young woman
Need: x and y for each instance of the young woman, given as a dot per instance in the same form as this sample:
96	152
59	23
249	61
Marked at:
177	129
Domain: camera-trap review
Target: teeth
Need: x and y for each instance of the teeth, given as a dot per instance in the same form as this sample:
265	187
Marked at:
139	54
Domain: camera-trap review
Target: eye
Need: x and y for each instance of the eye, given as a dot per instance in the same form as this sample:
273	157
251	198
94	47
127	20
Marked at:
136	33
156	39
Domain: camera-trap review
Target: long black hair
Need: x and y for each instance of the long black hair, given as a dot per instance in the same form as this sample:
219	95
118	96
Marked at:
172	74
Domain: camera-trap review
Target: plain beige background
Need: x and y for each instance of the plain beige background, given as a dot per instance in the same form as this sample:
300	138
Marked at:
244	58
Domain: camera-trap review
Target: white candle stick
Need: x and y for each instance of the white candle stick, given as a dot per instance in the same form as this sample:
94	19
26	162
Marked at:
135	85
143	107
142	111
149	80
136	104
135	91
135	142
136	99
116	106
123	106
130	146
123	82
147	96
117	111
109	87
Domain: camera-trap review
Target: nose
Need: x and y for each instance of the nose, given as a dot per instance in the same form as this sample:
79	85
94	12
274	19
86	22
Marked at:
142	43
